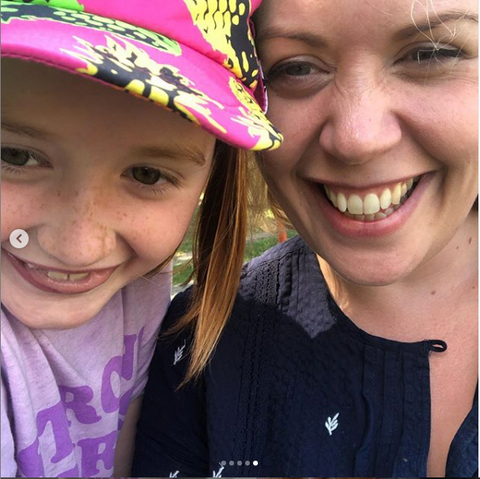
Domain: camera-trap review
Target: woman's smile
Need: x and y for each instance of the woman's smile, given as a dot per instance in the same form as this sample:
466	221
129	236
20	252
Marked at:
370	215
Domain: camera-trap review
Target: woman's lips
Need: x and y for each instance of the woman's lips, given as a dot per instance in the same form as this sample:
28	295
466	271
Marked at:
62	282
363	229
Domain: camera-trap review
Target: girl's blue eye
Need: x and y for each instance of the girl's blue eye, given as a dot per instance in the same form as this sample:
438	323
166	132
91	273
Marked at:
146	175
18	157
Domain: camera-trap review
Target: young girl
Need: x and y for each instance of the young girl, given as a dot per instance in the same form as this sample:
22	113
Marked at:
335	360
103	186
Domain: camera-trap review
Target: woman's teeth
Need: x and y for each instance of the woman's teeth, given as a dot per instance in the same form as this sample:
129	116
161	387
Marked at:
57	276
372	207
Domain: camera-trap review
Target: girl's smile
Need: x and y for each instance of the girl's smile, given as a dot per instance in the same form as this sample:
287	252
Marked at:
54	280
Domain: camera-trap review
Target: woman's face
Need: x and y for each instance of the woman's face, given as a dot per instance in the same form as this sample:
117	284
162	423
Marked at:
104	184
378	104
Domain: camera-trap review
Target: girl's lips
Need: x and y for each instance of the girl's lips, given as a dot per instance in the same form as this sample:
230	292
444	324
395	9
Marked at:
37	277
374	229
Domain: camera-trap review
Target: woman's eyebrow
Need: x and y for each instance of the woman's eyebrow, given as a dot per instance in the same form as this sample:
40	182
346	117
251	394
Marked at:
279	32
410	30
436	20
174	152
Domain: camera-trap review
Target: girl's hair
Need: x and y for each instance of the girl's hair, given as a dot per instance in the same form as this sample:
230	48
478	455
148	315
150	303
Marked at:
218	248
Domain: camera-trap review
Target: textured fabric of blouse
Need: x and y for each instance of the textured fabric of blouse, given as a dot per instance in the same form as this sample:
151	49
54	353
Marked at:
294	389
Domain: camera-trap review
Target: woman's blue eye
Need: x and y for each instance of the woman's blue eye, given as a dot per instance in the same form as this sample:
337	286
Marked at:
291	69
297	69
428	54
146	175
18	157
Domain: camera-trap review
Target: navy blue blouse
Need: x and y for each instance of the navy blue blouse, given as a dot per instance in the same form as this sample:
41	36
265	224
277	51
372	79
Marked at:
294	389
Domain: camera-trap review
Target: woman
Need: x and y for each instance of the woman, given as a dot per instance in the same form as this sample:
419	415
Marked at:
335	359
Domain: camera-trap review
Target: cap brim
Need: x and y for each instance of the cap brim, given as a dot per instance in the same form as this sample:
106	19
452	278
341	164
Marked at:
144	63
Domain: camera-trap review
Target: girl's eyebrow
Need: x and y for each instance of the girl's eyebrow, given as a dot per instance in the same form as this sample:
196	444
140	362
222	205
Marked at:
24	130
174	152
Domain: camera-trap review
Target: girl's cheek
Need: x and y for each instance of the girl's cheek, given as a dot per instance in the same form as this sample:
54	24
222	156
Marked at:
21	209
159	232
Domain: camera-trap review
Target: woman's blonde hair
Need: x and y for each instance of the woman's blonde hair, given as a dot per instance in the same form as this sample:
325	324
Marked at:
218	249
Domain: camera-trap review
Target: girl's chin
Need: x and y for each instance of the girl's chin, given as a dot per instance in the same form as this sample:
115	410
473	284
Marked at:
64	316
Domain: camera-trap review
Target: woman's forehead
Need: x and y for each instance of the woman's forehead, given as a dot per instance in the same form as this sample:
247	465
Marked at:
343	12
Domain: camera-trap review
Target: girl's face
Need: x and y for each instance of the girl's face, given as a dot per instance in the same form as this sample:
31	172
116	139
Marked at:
378	104
104	184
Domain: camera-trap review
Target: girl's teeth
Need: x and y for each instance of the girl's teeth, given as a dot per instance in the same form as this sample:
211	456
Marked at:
78	276
57	276
371	207
64	277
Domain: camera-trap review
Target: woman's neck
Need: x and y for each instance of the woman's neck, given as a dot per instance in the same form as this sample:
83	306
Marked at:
428	303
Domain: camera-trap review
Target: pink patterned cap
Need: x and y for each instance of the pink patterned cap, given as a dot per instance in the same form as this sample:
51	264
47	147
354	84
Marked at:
194	57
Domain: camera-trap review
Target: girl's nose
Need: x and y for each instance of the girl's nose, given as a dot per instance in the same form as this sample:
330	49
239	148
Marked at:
79	234
361	124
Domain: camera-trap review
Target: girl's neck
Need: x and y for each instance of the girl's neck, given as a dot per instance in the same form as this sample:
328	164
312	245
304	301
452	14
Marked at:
430	302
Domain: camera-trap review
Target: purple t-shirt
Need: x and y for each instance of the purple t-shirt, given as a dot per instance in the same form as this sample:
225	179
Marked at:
65	392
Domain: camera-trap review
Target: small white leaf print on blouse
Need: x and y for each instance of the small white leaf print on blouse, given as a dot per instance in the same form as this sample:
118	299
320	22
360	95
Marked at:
332	424
174	474
179	355
219	473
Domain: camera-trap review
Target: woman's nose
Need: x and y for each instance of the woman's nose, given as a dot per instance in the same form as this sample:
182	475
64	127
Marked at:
78	233
360	124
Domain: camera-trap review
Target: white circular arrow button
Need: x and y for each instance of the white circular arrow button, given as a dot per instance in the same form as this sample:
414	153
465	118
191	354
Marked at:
19	239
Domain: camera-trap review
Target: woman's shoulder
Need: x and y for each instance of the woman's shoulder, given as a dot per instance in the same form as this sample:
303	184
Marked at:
276	254
254	272
282	265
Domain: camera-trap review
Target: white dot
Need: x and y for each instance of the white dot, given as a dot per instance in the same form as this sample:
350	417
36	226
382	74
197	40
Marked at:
247	463
231	463
223	463
255	463
239	463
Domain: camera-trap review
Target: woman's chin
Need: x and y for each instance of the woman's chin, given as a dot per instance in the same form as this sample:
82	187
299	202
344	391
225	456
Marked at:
368	272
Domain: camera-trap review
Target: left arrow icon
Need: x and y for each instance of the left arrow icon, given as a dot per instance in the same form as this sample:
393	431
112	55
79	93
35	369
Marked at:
19	239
